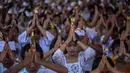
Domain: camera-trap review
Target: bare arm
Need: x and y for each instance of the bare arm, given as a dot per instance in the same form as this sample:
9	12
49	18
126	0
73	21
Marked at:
28	60
120	50
29	29
62	47
16	68
55	67
92	24
82	45
110	31
50	65
42	30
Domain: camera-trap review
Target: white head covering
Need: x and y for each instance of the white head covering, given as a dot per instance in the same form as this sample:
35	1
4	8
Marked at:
25	4
10	11
80	3
80	32
69	8
46	1
73	4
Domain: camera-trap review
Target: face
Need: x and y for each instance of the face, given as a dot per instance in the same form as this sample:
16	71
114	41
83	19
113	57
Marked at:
56	20
33	67
7	62
72	49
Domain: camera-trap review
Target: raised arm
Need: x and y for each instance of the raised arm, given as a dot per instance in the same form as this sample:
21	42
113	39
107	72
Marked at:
62	47
50	65
94	20
56	46
3	53
41	29
28	60
29	29
110	30
100	66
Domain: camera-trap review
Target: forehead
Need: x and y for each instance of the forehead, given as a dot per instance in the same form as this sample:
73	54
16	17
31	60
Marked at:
72	43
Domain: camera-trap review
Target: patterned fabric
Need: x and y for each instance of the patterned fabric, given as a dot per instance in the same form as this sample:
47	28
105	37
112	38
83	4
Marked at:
74	68
85	60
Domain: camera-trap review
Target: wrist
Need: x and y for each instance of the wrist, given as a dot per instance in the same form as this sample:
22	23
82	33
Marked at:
121	39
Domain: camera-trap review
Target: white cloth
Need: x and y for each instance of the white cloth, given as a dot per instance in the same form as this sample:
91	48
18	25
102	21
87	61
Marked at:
91	32
47	1
2	68
85	60
43	42
107	45
41	70
80	32
11	45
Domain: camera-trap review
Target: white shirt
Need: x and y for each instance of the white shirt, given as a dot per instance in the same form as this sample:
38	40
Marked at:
11	45
107	45
85	60
43	42
91	32
41	70
2	68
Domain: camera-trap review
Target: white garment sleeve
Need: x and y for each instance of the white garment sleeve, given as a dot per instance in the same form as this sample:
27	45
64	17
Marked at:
87	59
50	38
23	39
89	53
58	57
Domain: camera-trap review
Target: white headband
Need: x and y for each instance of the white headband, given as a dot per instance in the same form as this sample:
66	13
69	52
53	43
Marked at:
80	32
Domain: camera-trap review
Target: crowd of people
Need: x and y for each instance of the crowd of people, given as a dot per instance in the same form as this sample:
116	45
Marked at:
64	36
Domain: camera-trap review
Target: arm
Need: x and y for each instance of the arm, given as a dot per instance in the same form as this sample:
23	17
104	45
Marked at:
104	23
120	50
50	65
92	24
3	53
56	46
28	60
15	69
29	29
110	31
82	45
128	55
62	47
100	66
110	68
55	67
125	53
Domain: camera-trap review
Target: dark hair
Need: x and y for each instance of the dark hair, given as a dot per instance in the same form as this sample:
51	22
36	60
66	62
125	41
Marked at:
27	47
97	61
115	44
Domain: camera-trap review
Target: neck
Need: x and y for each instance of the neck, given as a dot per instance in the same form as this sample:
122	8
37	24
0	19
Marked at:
72	56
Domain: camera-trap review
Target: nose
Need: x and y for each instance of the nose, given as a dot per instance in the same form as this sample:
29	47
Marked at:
72	48
32	65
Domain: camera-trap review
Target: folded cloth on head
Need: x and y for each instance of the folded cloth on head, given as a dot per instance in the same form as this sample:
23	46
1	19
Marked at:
25	4
80	32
